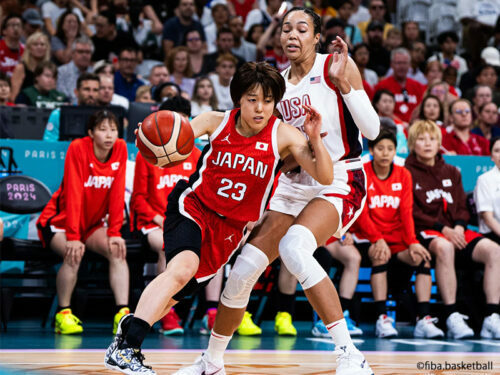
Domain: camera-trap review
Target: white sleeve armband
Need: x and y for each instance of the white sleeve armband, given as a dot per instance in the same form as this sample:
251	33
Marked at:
362	112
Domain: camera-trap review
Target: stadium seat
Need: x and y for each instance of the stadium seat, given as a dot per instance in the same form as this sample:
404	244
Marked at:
136	113
416	10
441	18
26	122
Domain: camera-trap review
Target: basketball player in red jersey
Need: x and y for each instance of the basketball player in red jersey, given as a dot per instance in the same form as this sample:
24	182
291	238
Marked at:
387	222
206	218
304	214
86	213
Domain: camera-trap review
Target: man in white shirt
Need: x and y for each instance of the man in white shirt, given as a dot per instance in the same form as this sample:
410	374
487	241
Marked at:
224	72
241	47
487	196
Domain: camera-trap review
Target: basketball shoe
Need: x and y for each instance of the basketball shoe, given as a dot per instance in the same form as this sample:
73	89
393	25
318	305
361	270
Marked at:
426	329
350	361
491	327
320	330
170	324
118	316
283	324
208	321
384	327
66	323
203	366
457	328
128	361
118	339
248	327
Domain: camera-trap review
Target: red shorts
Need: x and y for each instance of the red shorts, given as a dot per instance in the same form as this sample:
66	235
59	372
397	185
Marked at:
431	234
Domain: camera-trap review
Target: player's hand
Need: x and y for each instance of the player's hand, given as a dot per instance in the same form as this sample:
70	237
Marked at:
347	241
382	251
419	253
117	246
456	237
339	60
312	123
137	131
158	220
74	252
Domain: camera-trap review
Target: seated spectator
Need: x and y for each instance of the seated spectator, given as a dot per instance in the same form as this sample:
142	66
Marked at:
377	9
450	76
104	67
176	27
487	76
143	94
159	74
360	13
269	47
445	94
11	48
447	56
323	9
43	93
440	214
126	81
407	92
334	27
433	72
32	23
220	17
194	45
52	10
80	63
243	48
225	42
146	27
262	16
179	67
380	58
486	122
74	219
344	11
411	33
108	40
148	203
361	56
221	79
431	109
482	94
37	51
394	39
487	198
87	93
5	90
68	30
460	140
107	95
417	53
166	91
387	222
204	98
254	33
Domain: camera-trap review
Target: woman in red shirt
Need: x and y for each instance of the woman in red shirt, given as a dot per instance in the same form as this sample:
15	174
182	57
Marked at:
87	213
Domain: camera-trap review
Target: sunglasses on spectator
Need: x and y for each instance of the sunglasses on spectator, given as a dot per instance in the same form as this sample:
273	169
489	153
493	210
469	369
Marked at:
462	111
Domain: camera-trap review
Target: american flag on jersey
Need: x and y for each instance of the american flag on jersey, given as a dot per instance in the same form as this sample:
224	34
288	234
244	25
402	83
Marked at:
314	80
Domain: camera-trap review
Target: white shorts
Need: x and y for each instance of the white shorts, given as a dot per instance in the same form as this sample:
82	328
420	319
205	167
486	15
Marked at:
347	193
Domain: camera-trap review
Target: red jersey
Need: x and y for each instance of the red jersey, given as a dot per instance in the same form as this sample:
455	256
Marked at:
388	212
152	185
407	98
237	172
9	58
89	191
476	145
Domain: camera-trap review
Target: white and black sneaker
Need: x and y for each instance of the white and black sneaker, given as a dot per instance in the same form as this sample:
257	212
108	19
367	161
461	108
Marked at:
384	327
203	366
128	361
491	327
457	327
118	339
426	328
350	361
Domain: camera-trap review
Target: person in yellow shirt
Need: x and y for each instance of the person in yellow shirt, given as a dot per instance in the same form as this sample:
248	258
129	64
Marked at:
377	9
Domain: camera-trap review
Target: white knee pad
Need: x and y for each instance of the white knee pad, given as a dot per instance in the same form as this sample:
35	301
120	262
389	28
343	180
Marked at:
248	267
296	251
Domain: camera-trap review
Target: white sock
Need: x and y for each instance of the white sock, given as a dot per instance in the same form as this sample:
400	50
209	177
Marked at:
340	334
217	346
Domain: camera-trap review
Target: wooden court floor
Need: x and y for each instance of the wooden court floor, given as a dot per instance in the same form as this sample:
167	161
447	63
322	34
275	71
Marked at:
253	362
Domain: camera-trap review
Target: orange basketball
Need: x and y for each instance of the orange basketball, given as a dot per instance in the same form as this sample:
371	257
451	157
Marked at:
165	138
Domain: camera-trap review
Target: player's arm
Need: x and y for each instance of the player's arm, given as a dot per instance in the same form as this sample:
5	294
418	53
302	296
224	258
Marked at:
345	75
206	123
291	141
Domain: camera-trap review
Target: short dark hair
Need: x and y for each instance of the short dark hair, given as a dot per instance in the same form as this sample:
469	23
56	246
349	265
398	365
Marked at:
4	77
359	46
9	17
224	30
483	106
99	116
378	95
314	17
110	16
128	48
441	109
385	133
493	141
177	104
335	22
45	65
157	91
86	77
252	74
447	34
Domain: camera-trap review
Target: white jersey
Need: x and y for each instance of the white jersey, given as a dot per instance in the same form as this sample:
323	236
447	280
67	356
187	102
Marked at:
344	140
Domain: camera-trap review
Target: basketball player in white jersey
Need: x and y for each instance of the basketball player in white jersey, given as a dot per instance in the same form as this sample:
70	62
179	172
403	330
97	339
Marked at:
304	214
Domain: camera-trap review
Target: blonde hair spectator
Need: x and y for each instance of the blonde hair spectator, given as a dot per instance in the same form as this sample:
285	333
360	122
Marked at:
420	127
143	94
